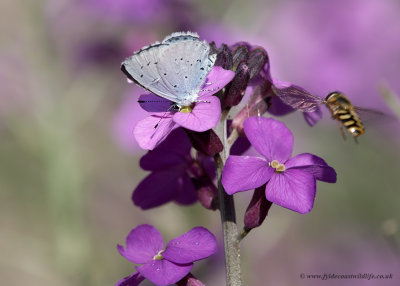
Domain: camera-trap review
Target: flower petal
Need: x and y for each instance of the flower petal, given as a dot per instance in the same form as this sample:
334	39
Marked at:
278	108
187	194
216	80
160	187
271	138
313	117
149	137
154	104
163	272
204	116
142	243
293	189
314	165
198	243
133	280
242	173
171	152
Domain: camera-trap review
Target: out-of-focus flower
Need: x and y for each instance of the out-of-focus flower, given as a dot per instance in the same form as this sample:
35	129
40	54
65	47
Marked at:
136	11
291	181
125	118
175	175
165	266
347	45
202	116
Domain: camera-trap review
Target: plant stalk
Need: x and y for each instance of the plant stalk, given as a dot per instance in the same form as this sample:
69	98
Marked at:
227	211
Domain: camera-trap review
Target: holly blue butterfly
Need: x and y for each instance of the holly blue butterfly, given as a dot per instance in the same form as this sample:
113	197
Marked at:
175	69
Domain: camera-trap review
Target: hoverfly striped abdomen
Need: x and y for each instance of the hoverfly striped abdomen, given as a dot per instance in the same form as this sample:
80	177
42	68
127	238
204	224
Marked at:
343	110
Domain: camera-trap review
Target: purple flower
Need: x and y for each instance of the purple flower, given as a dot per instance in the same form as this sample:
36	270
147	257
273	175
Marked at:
291	181
172	172
164	266
202	116
127	115
137	11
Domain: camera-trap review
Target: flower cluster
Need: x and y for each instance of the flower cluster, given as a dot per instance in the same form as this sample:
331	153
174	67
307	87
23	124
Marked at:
164	266
203	116
179	176
291	181
186	133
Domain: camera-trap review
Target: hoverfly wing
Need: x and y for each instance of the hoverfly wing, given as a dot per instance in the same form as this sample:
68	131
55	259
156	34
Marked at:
298	98
370	115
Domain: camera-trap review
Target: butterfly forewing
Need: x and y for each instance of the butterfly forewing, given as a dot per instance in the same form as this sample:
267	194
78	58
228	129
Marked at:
174	69
184	67
142	69
298	98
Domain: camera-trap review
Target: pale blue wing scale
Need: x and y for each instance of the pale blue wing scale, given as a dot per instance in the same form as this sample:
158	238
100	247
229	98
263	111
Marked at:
184	67
142	67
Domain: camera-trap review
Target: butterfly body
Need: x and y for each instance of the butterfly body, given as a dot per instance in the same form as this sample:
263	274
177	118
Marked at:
175	69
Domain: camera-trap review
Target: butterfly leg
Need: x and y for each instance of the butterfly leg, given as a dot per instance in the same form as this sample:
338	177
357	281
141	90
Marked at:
172	107
355	139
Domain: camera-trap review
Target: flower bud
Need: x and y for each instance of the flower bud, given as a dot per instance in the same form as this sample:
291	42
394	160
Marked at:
237	87
206	142
258	104
224	58
257	60
206	192
257	210
240	53
189	280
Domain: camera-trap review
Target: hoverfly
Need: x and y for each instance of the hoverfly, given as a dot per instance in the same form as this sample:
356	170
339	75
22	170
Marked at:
341	108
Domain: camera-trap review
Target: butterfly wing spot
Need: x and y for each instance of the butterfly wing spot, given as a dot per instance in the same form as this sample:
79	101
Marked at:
180	56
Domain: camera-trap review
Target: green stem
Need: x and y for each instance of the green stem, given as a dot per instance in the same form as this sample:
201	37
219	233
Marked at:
227	210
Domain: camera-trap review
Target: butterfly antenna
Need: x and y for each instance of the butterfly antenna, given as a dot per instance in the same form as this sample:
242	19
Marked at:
162	117
209	89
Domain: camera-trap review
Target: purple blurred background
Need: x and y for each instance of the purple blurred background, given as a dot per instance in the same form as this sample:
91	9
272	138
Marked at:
69	162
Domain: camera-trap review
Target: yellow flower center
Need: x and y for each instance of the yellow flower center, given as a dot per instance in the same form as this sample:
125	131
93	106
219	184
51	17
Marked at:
186	109
158	256
279	168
